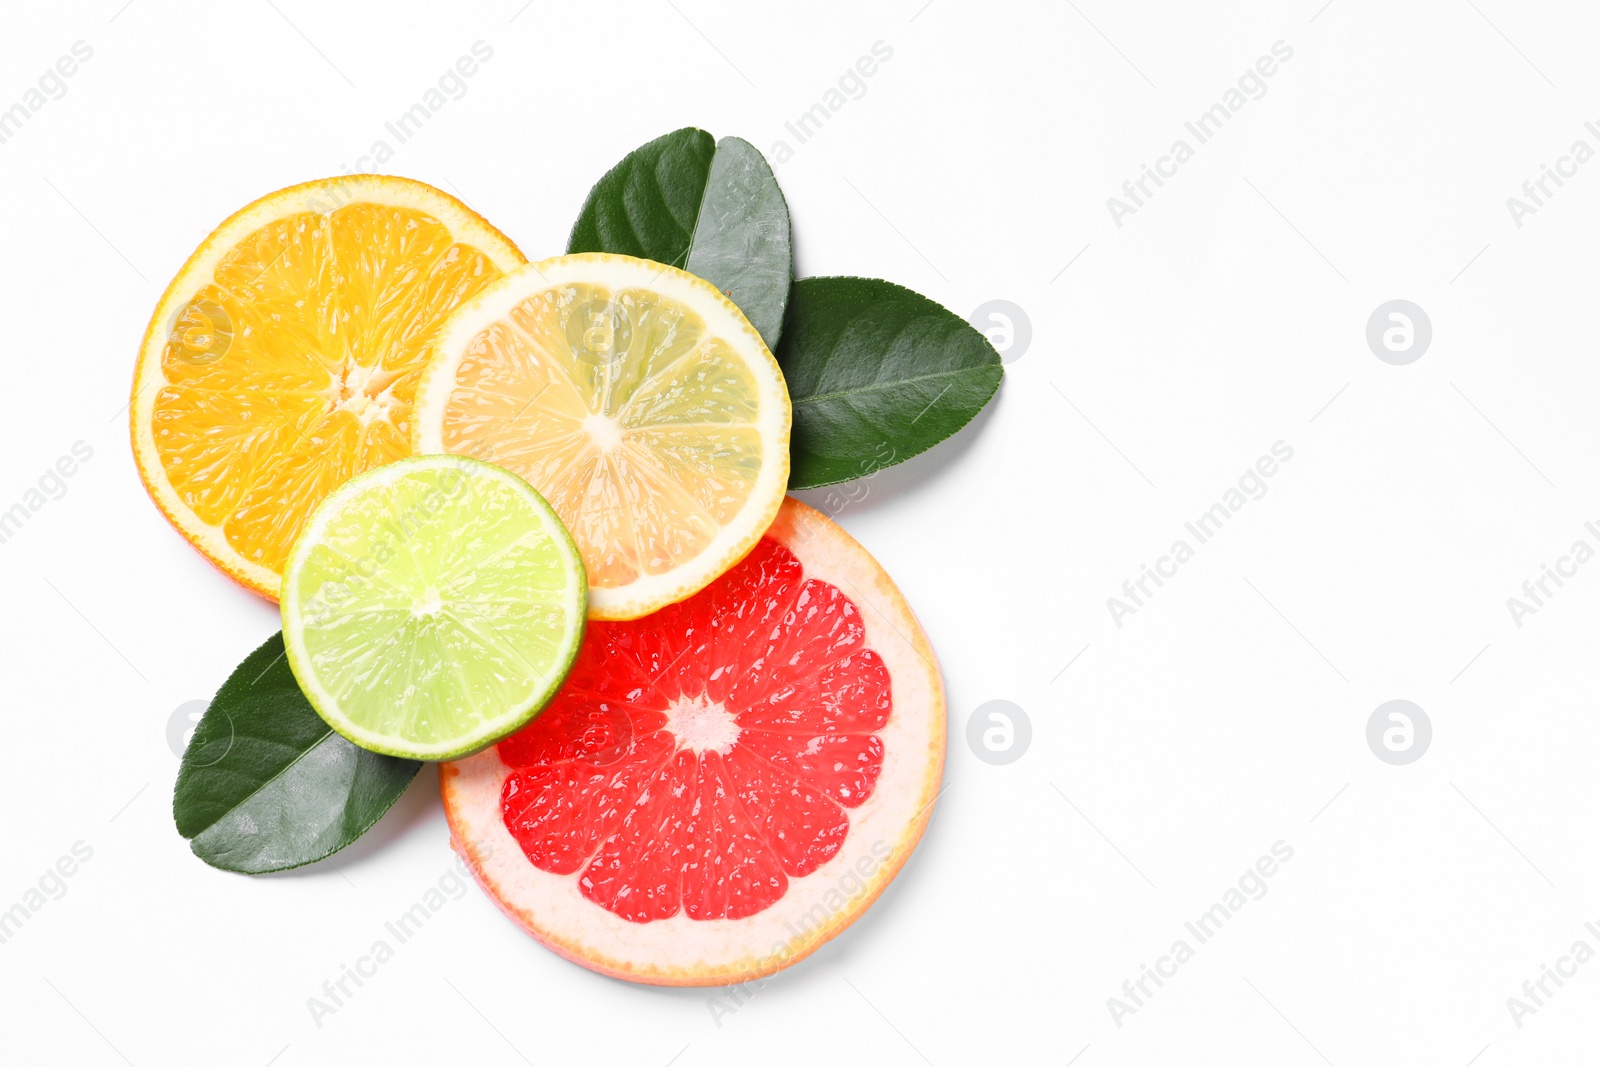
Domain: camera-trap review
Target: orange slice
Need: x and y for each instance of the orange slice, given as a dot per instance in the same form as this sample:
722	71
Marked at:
637	399
284	357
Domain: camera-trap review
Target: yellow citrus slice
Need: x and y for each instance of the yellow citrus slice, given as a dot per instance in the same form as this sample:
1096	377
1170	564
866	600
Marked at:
637	399
284	357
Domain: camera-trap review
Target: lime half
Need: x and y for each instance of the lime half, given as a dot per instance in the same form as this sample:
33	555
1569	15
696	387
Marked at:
432	606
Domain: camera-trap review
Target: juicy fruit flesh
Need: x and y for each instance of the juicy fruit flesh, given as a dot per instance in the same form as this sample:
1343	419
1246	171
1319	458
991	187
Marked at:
434	602
699	758
296	366
634	420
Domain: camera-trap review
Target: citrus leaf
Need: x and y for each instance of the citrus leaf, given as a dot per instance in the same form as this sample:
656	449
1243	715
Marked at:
266	785
877	374
711	208
741	240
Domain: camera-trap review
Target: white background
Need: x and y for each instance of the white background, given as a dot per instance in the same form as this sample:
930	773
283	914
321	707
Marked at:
1227	714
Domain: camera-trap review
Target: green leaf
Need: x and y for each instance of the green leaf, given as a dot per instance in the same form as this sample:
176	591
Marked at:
266	784
713	209
876	374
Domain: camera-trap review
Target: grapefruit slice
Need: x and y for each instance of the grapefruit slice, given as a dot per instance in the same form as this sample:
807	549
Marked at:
724	785
284	357
637	398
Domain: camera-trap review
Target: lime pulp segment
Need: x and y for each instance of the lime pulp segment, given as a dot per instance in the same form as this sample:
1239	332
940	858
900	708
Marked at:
433	606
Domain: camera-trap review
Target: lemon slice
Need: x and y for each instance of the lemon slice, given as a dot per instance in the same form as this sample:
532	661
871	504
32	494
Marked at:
432	606
637	399
283	357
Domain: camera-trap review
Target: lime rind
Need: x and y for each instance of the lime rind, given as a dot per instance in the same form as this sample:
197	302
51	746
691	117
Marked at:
433	606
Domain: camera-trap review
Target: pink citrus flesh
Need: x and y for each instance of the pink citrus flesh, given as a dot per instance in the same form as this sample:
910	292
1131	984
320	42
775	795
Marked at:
724	785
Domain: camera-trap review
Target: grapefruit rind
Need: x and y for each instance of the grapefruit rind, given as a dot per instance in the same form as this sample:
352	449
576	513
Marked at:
883	831
648	593
326	194
510	720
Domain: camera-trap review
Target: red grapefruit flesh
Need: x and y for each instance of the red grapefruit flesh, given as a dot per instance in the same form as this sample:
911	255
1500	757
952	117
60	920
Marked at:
724	785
